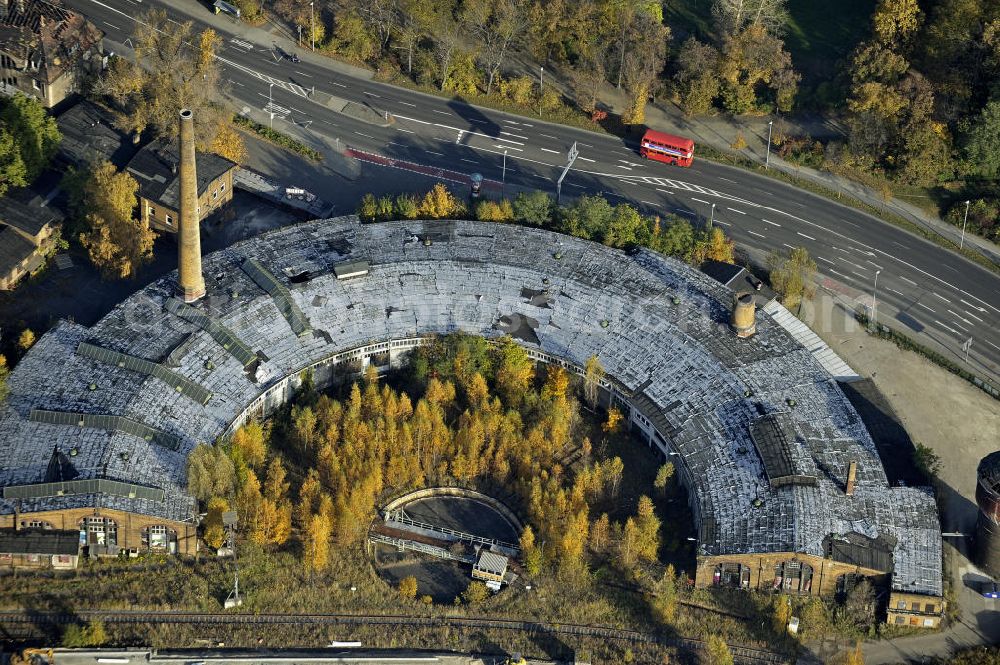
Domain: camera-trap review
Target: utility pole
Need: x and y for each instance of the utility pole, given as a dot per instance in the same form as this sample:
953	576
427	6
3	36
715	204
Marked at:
711	220
767	159
875	303
964	222
965	347
229	523
312	28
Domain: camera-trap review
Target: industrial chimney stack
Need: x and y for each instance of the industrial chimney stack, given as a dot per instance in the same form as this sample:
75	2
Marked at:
190	281
743	320
988	524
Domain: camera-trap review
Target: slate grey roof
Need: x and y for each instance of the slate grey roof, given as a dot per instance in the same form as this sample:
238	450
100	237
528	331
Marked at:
45	543
154	169
29	219
14	248
89	136
702	387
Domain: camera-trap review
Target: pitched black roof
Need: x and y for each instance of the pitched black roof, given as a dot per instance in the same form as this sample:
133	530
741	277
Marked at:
775	441
89	136
154	170
14	248
30	219
39	542
859	550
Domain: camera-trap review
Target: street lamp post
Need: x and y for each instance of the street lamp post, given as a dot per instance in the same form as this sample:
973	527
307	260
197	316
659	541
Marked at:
711	220
503	176
541	88
875	303
767	158
270	106
312	28
964	221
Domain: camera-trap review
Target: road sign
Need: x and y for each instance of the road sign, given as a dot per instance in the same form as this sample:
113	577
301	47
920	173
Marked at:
571	156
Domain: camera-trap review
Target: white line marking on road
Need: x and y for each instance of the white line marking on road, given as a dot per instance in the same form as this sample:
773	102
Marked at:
296	110
831	270
111	25
439	154
682	211
573	184
408	131
959	316
308	76
699	200
585	145
507	147
728	180
408	104
441	112
339	85
754	233
549	136
735	210
498	138
649	203
719	221
804	235
236	83
665	191
403	117
401	145
935	293
788	246
367	136
826	260
554	152
907	279
927	307
992	344
371	94
855	272
946	327
480	122
975	317
767	221
470	161
900	293
517	136
622	166
585	159
969	304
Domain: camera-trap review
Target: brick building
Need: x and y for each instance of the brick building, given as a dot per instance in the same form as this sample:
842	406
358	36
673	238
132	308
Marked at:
45	49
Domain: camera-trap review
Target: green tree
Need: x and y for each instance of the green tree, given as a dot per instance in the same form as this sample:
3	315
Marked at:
793	276
588	218
665	598
895	21
213	529
475	593
13	171
368	208
697	76
4	373
533	208
92	634
35	132
982	143
624	227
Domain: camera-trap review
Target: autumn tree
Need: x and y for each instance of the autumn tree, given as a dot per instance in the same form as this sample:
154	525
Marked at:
495	26
982	143
697	76
475	593
210	473
733	16
531	553
4	373
781	613
408	587
440	203
613	422
663	476
593	374
213	530
643	60
665	596
316	544
793	276
894	22
514	371
26	339
249	446
116	242
717	651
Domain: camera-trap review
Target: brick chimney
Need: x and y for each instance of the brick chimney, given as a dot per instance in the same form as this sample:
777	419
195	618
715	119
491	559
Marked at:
852	475
190	281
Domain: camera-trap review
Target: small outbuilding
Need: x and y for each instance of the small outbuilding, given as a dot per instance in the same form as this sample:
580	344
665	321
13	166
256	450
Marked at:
39	548
491	567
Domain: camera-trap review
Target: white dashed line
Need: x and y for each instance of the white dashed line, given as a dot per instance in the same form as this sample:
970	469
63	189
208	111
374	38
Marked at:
470	161
372	94
935	293
585	159
308	76
549	136
441	112
790	246
649	203
554	152
767	221
665	191
339	85
699	200
754	233
621	166
826	260
367	136
439	154
408	131
408	104
948	328
735	210
728	180
804	235
895	291
507	147
929	309
907	279
111	25
403	117
719	221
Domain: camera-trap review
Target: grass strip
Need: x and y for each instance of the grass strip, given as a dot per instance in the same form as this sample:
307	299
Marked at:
277	138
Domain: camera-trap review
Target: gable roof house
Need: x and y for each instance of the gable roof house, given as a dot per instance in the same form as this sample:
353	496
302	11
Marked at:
155	168
27	233
44	48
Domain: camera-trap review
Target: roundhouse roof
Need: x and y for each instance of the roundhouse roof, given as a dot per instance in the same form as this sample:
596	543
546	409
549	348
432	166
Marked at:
658	327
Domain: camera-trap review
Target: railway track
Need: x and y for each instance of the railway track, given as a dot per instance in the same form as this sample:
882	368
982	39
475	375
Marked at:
741	654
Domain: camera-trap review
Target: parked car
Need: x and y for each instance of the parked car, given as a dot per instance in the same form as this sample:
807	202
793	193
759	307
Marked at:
294	58
989	589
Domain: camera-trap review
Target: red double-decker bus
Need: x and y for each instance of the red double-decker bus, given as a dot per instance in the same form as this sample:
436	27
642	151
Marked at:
667	148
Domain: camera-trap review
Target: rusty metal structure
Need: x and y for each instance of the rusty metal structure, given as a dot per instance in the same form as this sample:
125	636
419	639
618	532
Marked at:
190	281
988	527
744	317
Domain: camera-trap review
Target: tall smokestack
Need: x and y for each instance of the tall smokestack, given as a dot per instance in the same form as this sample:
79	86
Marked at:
190	281
743	319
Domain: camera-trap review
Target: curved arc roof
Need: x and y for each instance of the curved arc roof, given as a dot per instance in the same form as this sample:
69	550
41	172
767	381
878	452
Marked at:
658	326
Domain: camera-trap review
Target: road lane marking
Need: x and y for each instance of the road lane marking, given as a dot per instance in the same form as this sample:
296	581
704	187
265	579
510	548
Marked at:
928	308
554	152
728	180
947	327
665	191
408	104
585	159
959	316
339	85
889	288
408	131
499	138
935	293
735	210
470	161
826	260
111	25
907	279
682	211
441	112
439	154
719	221
969	304
549	136
754	233
371	94
507	147
992	344
649	203
622	166
403	117
367	136
804	235
517	136
790	246
699	200
767	221
308	76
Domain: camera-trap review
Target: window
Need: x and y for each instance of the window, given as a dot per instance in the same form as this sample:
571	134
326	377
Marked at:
6	556
930	608
98	531
35	524
152	211
170	220
64	558
222	187
159	537
901	605
915	607
900	620
33	558
215	194
928	623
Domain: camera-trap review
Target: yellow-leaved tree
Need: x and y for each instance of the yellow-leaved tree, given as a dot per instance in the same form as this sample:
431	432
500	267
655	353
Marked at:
116	243
440	203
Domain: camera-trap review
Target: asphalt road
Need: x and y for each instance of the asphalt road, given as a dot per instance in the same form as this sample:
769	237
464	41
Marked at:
936	297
